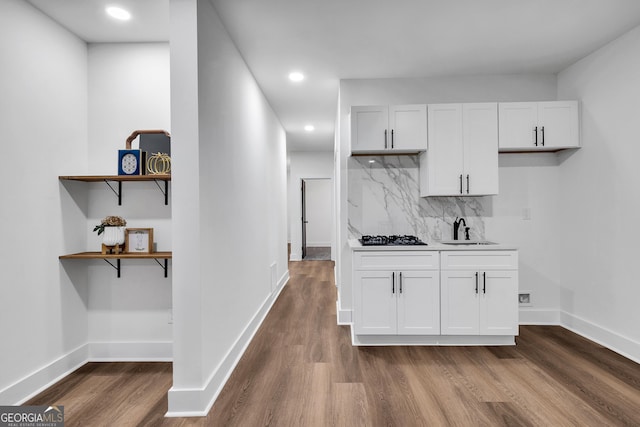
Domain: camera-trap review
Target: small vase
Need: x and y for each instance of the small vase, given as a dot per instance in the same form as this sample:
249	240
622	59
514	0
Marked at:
113	236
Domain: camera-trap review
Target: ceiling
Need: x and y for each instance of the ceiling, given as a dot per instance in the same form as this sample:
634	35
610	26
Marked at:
329	40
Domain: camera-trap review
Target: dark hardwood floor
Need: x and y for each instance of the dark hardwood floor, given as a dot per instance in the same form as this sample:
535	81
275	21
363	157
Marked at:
301	370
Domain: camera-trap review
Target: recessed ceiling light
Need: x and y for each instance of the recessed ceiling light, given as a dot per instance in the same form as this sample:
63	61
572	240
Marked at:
309	128
118	13
296	76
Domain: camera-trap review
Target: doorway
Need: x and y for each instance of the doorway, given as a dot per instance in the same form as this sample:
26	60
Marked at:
316	218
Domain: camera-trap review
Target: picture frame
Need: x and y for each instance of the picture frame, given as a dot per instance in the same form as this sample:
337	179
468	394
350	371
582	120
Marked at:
138	240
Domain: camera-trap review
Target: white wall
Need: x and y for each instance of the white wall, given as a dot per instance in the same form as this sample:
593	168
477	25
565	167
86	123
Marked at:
525	214
531	181
599	198
129	89
43	82
304	165
229	206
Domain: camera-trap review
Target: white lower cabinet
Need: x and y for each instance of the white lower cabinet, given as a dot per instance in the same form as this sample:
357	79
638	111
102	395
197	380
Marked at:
479	293
454	297
396	294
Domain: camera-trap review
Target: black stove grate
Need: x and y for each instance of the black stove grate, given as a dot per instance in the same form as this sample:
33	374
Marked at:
393	240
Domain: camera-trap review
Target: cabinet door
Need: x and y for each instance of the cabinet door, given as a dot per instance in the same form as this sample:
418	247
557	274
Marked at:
443	176
374	303
369	128
418	296
480	136
558	124
517	125
499	303
408	127
459	305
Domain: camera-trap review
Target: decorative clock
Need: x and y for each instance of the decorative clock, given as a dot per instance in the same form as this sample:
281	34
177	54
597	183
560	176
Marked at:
131	162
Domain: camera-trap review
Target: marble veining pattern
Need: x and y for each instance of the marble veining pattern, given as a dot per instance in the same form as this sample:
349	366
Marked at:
384	198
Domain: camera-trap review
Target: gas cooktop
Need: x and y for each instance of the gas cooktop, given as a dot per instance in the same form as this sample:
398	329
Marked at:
390	241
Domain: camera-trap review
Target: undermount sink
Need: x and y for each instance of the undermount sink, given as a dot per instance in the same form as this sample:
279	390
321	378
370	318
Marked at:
467	242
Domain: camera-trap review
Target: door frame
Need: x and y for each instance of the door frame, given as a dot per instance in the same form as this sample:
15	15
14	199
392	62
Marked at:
303	217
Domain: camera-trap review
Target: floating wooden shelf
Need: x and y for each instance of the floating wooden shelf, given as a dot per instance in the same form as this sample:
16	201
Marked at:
122	178
98	255
101	178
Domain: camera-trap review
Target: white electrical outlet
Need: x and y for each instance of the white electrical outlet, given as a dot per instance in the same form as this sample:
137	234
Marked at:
524	299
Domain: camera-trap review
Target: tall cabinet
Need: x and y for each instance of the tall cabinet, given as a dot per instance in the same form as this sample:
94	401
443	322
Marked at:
462	159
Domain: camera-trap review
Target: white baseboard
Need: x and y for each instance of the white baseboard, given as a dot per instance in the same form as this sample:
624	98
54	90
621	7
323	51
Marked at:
42	378
196	402
603	336
131	351
48	375
344	316
318	244
431	340
612	340
539	317
295	256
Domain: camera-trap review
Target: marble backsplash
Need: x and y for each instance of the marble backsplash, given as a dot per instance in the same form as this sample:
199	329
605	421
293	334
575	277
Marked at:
384	198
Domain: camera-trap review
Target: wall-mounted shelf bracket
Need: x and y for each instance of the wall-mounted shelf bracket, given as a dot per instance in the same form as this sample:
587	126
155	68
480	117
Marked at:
118	192
165	191
163	265
162	258
117	266
110	179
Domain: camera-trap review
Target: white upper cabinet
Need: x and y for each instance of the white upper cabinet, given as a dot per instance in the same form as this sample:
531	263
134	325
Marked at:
389	129
369	128
408	127
538	126
463	150
480	136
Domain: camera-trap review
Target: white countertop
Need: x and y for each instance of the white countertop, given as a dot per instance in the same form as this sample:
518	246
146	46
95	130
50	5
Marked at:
355	245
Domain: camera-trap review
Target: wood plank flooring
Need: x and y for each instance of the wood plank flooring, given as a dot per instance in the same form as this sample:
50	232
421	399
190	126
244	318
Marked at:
301	370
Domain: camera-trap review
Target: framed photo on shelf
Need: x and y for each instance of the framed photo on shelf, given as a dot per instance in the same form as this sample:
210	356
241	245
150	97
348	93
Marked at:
138	240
